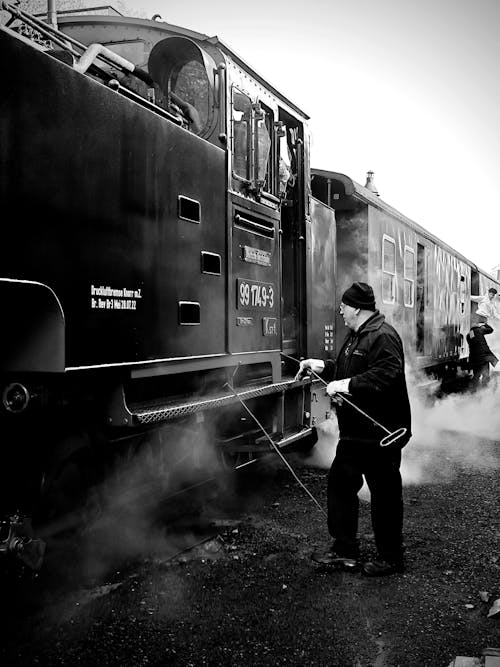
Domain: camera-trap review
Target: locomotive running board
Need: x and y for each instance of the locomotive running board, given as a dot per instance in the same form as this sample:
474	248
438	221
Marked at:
288	440
119	413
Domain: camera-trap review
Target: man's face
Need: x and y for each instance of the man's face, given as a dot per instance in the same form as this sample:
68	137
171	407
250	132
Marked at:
349	315
491	295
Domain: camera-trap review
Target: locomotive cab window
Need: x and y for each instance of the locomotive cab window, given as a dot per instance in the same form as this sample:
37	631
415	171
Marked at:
189	83
289	141
285	167
184	73
241	133
252	145
409	277
264	129
388	269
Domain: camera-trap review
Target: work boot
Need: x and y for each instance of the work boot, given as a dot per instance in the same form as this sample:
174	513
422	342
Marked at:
382	568
332	557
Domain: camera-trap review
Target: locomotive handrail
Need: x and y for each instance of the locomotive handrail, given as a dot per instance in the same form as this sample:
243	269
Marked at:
88	54
265	230
169	411
221	71
42	27
114	84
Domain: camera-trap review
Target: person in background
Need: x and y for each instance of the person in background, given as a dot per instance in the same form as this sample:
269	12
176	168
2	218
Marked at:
480	355
370	367
486	306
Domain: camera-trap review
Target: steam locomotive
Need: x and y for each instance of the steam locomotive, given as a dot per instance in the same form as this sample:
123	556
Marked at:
168	254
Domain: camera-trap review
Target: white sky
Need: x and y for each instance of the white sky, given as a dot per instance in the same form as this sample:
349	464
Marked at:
409	89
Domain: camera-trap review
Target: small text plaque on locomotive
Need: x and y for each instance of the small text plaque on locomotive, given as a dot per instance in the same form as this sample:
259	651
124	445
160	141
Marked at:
269	326
256	256
253	294
114	298
245	322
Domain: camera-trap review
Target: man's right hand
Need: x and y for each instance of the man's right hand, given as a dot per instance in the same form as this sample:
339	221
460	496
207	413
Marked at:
306	365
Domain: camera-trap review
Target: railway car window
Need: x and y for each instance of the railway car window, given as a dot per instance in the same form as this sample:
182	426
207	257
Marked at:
388	269
409	277
242	112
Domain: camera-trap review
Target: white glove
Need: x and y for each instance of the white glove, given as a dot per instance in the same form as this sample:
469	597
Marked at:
315	365
338	387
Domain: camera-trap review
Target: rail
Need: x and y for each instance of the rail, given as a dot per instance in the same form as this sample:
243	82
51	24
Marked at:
261	227
167	412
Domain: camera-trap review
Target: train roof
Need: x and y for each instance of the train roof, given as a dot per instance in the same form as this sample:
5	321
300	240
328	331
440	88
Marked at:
353	191
162	26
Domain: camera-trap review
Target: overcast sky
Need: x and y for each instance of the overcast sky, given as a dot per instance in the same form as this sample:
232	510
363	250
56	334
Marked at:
409	89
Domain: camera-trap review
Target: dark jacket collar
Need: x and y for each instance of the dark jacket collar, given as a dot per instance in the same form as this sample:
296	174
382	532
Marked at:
372	323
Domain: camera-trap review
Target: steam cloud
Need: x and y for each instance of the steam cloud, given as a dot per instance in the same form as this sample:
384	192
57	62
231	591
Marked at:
448	432
131	522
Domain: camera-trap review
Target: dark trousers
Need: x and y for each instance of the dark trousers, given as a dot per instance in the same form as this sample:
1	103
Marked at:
481	374
380	466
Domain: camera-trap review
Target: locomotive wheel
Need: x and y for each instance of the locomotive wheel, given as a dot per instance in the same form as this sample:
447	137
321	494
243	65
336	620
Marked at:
70	499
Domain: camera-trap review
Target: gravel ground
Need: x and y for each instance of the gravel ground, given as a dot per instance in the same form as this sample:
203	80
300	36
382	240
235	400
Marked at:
251	595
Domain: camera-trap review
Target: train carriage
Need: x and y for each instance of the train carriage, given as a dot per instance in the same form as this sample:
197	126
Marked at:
422	285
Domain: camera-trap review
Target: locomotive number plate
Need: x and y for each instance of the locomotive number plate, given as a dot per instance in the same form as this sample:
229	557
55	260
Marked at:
252	294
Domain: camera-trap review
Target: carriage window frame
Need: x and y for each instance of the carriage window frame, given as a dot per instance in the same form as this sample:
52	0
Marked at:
411	281
385	272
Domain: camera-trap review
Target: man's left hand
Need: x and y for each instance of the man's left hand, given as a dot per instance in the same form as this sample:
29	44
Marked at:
338	387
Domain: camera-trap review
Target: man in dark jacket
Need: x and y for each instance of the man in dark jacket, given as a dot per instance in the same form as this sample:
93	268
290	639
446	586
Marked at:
369	367
480	355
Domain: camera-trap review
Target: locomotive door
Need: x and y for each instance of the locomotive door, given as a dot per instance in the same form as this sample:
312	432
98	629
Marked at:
254	289
321	244
291	184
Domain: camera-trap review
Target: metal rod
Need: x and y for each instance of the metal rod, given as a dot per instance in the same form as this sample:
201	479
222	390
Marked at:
400	432
276	449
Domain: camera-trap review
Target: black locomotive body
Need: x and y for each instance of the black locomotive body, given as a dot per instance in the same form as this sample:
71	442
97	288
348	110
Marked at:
163	257
151	209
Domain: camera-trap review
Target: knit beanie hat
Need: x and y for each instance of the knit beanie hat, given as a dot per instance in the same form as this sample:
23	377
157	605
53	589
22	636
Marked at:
359	295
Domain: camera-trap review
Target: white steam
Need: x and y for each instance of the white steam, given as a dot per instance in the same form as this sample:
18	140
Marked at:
448	433
131	522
